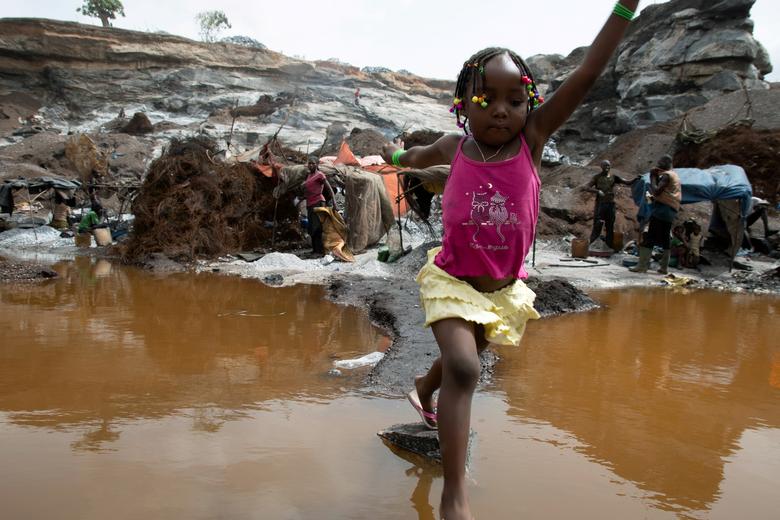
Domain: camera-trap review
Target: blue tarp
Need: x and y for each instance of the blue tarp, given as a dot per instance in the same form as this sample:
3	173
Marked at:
713	184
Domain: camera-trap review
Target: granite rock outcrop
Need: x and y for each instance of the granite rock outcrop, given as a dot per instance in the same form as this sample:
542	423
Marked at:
676	56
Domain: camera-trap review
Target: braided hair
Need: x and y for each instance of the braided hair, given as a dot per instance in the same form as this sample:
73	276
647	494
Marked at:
473	73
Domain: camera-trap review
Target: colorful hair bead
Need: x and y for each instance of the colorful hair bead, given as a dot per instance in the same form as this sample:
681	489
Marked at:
480	100
457	104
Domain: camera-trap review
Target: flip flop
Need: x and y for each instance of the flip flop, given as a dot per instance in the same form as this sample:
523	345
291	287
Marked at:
428	418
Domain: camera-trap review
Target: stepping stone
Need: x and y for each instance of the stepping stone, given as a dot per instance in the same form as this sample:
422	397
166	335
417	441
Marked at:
416	438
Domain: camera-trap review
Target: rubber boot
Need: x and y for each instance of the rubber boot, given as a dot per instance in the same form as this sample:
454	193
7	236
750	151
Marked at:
664	262
644	260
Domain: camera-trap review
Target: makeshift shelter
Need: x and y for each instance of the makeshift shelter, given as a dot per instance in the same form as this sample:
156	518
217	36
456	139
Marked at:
727	187
36	187
368	207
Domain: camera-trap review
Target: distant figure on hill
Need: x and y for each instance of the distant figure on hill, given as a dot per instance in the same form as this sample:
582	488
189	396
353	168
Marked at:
357	96
603	185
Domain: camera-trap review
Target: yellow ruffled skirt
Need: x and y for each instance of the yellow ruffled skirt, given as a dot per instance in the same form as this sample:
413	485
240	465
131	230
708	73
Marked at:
503	313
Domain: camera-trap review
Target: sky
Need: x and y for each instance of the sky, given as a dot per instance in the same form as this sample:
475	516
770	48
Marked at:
431	38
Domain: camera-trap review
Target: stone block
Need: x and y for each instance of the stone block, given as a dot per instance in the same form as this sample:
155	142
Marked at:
416	438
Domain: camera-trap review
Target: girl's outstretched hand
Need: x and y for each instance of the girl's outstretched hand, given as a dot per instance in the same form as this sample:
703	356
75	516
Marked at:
389	149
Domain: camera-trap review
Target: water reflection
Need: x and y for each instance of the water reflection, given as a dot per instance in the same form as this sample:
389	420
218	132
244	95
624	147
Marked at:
661	391
101	344
424	472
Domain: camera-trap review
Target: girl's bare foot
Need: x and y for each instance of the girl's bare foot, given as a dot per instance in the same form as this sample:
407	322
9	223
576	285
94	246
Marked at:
425	395
454	508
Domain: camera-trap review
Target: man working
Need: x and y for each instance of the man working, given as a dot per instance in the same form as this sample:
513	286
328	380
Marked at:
666	195
313	188
603	185
92	219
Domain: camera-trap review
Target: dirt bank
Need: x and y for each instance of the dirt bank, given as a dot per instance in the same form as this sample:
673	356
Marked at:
394	305
23	272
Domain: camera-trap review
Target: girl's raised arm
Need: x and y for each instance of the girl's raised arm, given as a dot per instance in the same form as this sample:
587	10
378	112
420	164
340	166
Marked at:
440	152
545	120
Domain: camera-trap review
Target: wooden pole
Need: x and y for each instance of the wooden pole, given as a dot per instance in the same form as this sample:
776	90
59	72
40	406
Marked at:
29	210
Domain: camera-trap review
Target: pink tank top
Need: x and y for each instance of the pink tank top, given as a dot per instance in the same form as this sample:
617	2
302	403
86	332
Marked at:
489	213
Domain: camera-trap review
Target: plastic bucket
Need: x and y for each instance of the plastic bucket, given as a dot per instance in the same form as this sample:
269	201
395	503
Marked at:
102	236
579	248
617	240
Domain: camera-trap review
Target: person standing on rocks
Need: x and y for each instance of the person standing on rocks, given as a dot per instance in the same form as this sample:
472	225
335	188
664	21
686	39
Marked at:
758	210
666	195
357	96
603	185
471	288
317	190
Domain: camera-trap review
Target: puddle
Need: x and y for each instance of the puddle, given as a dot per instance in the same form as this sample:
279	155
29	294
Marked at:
675	395
125	395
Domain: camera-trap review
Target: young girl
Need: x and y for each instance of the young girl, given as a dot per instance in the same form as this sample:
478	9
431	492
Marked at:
679	249
694	246
471	287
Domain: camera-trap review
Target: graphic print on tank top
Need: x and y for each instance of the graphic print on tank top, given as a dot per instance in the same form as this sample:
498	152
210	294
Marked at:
489	208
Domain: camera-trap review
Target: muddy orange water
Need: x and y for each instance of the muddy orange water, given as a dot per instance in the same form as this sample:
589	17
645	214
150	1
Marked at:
129	395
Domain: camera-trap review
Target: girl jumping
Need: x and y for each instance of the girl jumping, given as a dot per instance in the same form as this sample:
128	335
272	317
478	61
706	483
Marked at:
471	287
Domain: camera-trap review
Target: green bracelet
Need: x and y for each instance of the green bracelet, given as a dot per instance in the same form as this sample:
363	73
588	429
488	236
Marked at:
397	157
623	11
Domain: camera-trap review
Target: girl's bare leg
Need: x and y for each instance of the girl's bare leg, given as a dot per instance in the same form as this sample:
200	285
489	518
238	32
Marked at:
459	368
427	384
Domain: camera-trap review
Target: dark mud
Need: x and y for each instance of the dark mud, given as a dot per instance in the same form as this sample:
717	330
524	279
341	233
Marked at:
394	305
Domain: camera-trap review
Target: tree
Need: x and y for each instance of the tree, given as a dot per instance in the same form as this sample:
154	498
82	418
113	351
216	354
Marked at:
211	24
104	9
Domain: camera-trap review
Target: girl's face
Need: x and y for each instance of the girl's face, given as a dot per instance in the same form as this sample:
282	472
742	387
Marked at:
507	98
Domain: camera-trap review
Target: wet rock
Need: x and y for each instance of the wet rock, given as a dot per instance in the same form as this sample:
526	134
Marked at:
416	438
273	279
334	372
138	124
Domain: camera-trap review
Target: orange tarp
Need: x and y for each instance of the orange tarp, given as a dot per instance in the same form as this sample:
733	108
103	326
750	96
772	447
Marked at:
345	156
389	177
